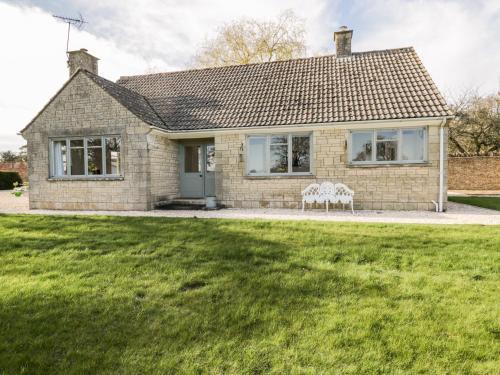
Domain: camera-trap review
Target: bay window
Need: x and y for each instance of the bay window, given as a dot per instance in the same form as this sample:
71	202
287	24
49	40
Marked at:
407	145
278	154
85	156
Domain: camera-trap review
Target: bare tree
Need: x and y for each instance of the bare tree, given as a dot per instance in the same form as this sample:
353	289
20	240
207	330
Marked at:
250	41
476	131
12	157
8	157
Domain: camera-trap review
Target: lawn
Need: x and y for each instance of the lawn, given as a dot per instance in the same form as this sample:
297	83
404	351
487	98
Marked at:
486	202
156	295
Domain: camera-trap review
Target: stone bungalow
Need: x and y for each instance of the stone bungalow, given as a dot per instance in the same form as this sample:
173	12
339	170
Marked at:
251	136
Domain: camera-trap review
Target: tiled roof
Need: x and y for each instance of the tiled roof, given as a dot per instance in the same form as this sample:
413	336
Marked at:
135	102
378	85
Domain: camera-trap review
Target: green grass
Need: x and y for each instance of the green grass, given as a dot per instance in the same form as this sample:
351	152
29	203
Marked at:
155	296
486	202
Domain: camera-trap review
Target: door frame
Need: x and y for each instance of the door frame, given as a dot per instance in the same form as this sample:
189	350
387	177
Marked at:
203	173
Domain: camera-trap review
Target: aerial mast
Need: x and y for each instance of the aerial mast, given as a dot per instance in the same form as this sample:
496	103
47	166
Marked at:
77	22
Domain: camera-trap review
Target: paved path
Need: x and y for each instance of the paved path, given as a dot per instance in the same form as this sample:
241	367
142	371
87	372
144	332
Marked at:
473	193
456	214
9	202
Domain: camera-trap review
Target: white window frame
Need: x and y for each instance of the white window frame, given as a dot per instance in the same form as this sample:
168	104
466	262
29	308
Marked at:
267	160
399	153
85	157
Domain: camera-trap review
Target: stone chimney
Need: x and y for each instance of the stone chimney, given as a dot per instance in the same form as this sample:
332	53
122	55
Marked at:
81	59
342	39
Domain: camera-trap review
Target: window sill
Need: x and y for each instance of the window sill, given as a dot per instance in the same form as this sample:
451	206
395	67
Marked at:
288	176
384	165
102	178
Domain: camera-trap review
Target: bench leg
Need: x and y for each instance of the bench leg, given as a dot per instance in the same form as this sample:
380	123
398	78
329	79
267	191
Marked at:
326	206
352	207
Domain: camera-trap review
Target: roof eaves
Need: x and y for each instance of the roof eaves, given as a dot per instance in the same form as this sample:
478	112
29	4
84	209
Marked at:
372	123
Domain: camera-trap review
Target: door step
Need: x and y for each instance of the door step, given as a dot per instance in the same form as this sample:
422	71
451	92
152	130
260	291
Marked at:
182	204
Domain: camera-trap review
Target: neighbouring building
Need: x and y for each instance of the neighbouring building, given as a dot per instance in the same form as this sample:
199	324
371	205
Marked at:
251	136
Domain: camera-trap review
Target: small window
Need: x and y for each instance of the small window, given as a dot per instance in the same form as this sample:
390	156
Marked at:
362	146
94	156
192	159
210	158
301	146
77	157
388	145
59	161
413	144
89	156
279	154
113	155
256	155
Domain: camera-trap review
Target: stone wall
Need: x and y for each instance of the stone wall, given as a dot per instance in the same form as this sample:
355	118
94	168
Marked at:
19	167
82	109
474	173
401	187
163	154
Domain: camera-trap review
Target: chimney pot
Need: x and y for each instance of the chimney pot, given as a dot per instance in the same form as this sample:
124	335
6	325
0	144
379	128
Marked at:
342	39
82	59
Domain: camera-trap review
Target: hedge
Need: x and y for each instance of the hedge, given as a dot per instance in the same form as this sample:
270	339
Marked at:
7	180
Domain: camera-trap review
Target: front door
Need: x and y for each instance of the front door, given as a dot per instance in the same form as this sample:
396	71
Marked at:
197	167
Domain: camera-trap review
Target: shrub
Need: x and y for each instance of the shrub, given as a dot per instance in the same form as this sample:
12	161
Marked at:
7	180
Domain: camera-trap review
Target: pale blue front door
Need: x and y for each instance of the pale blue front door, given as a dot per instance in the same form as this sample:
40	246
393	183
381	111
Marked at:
197	169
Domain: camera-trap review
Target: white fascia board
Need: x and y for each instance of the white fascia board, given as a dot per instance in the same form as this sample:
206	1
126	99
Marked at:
373	124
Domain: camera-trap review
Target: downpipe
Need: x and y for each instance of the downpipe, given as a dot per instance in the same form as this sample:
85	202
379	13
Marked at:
441	165
436	205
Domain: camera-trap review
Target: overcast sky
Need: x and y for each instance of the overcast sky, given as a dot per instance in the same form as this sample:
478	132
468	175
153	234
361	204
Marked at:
458	41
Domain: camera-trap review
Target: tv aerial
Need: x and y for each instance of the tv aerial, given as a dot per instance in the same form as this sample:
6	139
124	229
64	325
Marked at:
76	22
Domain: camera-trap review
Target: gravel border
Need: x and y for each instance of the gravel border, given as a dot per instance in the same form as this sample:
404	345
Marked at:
457	214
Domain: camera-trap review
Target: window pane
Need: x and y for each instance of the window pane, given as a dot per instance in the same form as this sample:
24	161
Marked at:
77	161
76	143
59	155
94	160
387	145
300	154
94	142
361	144
210	162
387	135
413	144
192	159
280	139
387	150
256	155
113	155
279	158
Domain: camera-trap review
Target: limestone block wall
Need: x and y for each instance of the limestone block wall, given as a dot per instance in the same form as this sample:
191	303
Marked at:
401	187
163	154
83	109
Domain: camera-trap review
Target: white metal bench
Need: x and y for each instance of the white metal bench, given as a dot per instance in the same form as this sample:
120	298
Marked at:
328	193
